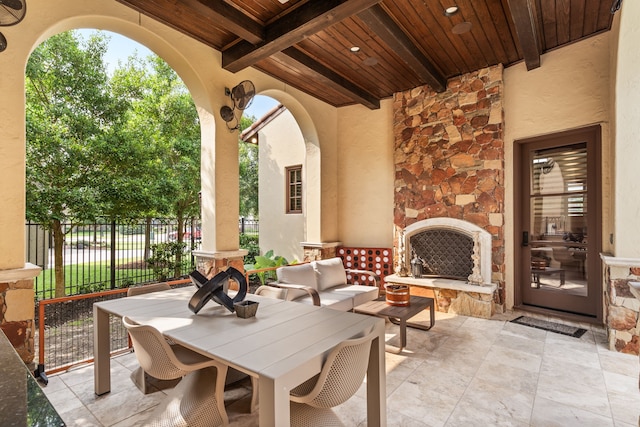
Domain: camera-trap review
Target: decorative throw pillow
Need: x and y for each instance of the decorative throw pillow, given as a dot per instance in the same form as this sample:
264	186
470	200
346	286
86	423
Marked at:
302	274
329	273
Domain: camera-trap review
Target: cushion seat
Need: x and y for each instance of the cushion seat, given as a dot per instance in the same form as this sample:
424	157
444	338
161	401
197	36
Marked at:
326	280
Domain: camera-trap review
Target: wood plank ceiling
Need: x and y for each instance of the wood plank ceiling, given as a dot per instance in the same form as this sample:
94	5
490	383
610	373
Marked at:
403	43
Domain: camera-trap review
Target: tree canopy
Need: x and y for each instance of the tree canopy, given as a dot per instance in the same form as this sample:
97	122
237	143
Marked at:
121	146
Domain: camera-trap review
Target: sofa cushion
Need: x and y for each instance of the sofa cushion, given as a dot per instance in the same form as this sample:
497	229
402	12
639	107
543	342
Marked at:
344	297
329	273
302	274
330	299
359	294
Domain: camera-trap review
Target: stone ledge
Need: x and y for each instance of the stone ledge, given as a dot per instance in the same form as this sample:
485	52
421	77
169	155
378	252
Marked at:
453	296
28	272
221	254
455	285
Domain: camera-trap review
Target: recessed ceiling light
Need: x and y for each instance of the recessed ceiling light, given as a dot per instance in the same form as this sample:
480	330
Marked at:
451	10
355	49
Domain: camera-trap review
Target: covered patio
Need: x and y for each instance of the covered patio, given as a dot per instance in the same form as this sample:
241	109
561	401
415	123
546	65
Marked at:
465	371
383	153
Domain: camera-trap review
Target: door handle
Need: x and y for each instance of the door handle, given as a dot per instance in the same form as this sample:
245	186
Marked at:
525	238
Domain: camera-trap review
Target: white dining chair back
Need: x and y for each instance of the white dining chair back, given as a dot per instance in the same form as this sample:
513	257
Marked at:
145	289
160	359
198	399
341	376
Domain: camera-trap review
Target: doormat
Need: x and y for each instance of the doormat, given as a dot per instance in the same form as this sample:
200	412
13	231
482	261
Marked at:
558	328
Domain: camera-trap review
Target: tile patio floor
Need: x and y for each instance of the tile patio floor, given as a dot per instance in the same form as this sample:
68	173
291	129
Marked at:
463	372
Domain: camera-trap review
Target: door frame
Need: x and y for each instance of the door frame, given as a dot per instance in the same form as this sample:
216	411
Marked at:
592	133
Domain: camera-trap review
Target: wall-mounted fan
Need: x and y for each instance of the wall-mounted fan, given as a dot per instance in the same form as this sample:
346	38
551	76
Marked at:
11	12
242	96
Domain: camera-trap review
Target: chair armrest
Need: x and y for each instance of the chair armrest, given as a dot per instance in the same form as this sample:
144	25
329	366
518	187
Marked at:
373	275
307	289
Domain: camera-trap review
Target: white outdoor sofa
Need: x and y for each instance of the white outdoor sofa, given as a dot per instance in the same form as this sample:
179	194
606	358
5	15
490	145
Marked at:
322	283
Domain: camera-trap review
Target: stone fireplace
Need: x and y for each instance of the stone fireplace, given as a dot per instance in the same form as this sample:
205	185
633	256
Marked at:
449	185
447	247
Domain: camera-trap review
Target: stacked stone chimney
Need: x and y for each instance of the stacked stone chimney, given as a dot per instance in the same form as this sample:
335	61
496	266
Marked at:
449	157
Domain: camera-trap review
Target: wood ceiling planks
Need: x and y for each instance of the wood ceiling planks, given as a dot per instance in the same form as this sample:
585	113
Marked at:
404	43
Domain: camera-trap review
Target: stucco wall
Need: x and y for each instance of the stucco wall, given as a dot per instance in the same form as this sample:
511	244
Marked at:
365	176
281	145
570	90
627	107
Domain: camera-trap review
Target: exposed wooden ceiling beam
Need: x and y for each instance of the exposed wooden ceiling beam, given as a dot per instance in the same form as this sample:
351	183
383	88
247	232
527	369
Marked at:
230	18
292	28
524	17
386	28
324	75
222	13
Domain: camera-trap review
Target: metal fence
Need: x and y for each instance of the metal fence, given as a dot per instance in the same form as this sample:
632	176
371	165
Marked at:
100	261
109	254
64	336
249	226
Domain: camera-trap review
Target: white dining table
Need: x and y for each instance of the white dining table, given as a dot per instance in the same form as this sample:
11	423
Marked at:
283	345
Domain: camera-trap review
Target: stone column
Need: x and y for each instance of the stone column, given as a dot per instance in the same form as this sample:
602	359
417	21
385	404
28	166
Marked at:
211	263
316	251
17	299
622	309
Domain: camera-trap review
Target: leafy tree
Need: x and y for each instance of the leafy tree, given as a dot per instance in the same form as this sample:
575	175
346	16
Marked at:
69	113
123	147
248	162
164	122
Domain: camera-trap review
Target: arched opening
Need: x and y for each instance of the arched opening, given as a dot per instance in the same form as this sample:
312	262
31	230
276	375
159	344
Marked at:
288	175
113	165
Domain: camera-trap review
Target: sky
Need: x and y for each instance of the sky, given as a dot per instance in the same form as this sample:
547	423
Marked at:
121	47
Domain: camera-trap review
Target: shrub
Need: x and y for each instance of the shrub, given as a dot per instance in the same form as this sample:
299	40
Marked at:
267	260
163	261
250	243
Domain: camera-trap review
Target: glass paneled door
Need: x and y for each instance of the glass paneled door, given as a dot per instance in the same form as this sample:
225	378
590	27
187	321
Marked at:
560	205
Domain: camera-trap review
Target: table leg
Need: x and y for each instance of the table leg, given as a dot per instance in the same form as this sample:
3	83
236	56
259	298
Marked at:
273	401
403	336
376	381
432	319
101	352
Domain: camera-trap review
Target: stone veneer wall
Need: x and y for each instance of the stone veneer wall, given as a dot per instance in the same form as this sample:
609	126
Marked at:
449	157
622	308
17	311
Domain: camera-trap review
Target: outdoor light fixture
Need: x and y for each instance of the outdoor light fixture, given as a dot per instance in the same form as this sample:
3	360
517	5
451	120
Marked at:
355	49
451	10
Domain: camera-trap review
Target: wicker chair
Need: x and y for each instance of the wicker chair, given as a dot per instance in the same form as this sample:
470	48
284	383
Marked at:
198	399
341	376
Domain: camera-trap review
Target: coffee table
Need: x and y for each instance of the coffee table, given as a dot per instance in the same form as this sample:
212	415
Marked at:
400	316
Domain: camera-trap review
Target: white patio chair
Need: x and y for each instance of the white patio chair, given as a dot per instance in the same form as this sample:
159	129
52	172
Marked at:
341	376
198	399
145	382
